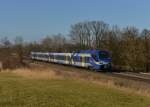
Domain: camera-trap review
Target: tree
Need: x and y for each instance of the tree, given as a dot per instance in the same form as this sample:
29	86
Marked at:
76	34
19	48
47	44
114	44
89	34
5	42
99	30
131	51
58	42
146	48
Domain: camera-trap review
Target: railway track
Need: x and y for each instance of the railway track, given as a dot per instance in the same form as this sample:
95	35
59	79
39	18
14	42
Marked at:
142	77
133	76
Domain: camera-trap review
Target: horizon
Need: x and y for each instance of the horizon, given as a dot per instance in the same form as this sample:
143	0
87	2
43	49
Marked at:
35	19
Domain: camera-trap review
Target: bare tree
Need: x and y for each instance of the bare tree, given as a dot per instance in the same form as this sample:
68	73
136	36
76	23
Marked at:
131	47
19	48
47	43
59	40
5	52
76	34
146	48
114	45
99	30
5	42
89	34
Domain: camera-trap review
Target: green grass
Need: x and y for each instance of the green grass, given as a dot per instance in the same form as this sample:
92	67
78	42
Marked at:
16	91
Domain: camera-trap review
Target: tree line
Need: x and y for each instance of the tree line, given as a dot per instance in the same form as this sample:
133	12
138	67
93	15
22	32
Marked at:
129	46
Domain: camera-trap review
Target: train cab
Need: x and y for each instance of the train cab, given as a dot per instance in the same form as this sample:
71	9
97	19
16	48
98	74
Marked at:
100	60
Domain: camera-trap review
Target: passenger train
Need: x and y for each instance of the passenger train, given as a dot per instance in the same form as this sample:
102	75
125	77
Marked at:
92	59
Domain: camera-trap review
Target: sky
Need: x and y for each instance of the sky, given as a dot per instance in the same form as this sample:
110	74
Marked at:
34	19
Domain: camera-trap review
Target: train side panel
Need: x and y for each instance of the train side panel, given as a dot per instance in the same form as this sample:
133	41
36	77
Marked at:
85	59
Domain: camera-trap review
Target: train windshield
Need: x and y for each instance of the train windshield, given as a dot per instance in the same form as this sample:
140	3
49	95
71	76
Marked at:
104	55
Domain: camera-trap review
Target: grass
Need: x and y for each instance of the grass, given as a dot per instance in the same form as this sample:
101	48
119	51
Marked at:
137	87
21	88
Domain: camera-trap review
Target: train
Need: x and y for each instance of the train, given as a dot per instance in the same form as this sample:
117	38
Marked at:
92	59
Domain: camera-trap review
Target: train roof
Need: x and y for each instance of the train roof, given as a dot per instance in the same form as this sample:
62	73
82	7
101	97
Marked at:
92	51
80	52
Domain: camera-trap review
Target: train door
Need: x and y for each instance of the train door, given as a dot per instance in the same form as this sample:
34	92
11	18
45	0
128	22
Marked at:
83	61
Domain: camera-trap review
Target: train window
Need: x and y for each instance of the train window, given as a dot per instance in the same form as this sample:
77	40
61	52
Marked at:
80	59
95	57
77	59
87	59
57	57
51	56
60	57
34	55
46	56
38	55
104	55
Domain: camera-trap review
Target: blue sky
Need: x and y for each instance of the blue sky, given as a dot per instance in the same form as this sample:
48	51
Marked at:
34	19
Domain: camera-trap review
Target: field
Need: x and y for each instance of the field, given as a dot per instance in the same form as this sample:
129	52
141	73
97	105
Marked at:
39	87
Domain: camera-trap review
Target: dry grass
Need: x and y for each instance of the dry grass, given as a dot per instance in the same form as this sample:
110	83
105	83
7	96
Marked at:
36	73
42	72
17	91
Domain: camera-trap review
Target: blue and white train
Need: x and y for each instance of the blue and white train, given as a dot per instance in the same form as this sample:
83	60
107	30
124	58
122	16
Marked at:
92	59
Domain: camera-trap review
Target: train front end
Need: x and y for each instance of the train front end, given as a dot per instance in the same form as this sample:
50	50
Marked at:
101	60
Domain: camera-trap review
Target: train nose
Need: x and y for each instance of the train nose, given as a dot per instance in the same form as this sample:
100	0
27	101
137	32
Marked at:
105	66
